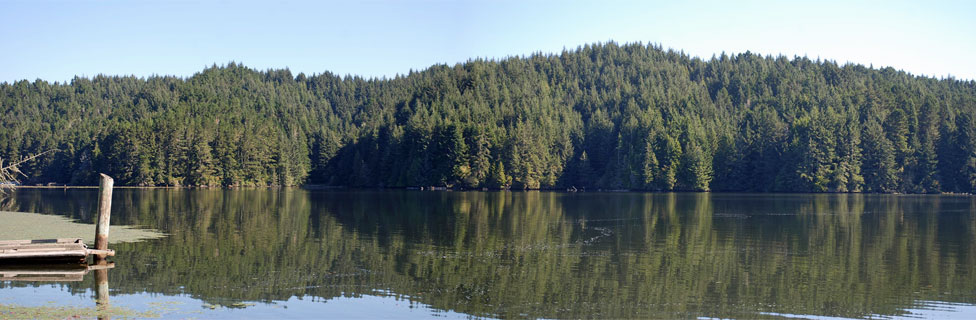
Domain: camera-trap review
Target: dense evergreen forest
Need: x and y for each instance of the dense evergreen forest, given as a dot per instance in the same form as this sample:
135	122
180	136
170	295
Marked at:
603	116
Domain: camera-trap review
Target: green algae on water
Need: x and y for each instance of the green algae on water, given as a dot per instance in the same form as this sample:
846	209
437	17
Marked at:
62	312
26	226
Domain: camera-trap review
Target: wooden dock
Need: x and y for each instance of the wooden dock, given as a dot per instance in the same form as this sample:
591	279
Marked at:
66	250
48	250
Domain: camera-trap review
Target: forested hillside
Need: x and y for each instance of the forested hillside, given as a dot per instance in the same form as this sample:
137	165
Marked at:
598	117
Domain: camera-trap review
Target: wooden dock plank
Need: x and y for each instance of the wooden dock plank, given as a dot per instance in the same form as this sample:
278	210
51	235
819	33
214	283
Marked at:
40	241
44	247
26	254
48	249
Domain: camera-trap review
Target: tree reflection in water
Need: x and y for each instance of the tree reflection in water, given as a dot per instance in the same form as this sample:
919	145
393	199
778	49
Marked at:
544	254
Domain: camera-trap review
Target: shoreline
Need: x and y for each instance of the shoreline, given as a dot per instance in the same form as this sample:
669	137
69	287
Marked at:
314	187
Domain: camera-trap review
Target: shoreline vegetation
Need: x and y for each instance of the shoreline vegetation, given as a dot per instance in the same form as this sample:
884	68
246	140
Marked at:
598	117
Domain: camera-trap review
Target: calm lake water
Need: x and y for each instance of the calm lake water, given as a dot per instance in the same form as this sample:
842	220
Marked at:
298	254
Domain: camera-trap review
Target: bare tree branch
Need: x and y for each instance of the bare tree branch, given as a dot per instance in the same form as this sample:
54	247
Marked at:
10	172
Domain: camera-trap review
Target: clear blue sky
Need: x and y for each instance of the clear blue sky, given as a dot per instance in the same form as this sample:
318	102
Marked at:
56	40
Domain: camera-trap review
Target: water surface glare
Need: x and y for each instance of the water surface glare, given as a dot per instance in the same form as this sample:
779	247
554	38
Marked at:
379	253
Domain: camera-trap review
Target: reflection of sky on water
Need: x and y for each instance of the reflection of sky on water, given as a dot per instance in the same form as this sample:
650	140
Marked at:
923	310
381	305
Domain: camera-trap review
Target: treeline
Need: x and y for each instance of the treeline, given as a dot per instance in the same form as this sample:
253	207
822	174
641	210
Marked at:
603	116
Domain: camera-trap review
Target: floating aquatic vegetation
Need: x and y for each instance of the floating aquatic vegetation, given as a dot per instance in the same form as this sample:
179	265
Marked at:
24	225
8	311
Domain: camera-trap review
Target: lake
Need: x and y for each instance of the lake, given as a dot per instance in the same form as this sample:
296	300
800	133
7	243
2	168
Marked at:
406	254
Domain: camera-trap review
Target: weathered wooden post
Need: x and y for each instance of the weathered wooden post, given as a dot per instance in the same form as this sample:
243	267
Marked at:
104	213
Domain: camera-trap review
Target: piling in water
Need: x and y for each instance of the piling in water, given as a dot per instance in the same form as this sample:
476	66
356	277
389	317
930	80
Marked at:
104	213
